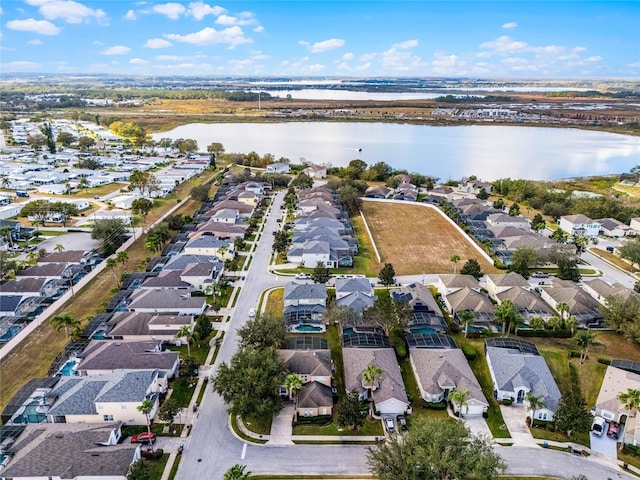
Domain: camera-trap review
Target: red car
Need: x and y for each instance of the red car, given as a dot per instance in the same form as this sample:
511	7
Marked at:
614	430
145	438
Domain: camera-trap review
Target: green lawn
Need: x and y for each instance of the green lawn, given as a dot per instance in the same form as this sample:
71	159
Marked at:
371	427
413	392
542	434
157	467
182	392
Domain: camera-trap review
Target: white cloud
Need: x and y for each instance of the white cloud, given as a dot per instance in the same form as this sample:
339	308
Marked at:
326	45
210	36
116	50
405	45
634	65
242	19
43	27
35	42
348	56
68	10
97	42
509	25
199	10
157	43
399	58
171	58
303	42
363	67
504	45
259	29
170	10
593	58
20	66
130	15
315	68
187	67
138	61
447	64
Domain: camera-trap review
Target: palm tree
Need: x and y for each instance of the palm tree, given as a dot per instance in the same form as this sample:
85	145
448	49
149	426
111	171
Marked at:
111	263
83	183
571	322
122	257
370	376
466	319
455	258
58	248
5	232
458	398
555	323
237	473
189	336
145	407
506	314
293	383
65	321
32	258
584	340
5	181
535	402
630	399
563	309
537	323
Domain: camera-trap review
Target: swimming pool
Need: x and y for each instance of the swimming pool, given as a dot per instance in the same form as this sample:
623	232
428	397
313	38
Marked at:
69	369
309	329
11	332
31	414
426	330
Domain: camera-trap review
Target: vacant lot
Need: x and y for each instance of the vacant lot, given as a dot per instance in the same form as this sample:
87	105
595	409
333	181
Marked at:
416	239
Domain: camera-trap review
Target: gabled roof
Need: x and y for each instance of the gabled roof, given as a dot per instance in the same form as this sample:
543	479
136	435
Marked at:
180	262
69	451
391	384
576	219
418	296
9	303
71	256
207	241
440	369
513	369
345	286
133	355
167	298
316	363
44	270
166	279
315	395
24	285
459	281
356	301
468	299
301	291
523	299
142	323
511	279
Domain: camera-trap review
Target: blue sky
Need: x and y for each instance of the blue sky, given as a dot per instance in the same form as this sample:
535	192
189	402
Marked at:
501	39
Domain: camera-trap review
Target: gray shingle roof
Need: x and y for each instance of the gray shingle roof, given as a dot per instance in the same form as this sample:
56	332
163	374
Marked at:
131	388
315	395
164	299
356	301
307	362
513	369
114	355
345	286
303	291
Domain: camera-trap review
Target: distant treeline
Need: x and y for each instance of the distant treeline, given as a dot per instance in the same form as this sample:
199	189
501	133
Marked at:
556	202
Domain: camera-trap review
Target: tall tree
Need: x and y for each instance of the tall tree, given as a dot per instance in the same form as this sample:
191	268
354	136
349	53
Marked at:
473	268
66	321
459	397
112	232
584	340
146	407
523	259
249	384
293	383
371	376
387	275
571	415
188	335
538	223
320	274
435	449
141	206
350	411
237	472
535	402
466	318
168	411
455	258
265	330
630	399
214	149
507	314
631	251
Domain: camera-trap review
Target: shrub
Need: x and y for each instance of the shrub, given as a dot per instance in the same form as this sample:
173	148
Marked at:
573	354
401	350
507	401
545	333
604	361
442	405
469	352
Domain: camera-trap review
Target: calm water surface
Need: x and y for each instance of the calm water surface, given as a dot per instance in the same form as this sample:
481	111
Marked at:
448	152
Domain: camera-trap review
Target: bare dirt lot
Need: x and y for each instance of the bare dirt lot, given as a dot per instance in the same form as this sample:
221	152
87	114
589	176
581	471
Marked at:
417	239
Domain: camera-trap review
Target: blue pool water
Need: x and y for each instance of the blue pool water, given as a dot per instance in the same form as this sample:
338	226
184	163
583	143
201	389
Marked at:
31	415
347	331
99	335
476	329
426	330
10	333
308	329
69	369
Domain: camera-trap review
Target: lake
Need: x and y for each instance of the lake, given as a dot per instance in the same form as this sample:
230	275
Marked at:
446	152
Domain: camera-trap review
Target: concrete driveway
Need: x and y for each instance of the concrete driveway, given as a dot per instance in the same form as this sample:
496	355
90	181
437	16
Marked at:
603	444
477	425
282	426
515	419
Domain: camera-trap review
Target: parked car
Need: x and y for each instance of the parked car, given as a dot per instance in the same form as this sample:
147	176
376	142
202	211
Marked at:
252	312
145	438
540	275
598	426
402	421
22	194
389	425
303	276
614	430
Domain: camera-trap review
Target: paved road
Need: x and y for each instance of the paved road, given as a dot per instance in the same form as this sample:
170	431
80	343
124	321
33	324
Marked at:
212	449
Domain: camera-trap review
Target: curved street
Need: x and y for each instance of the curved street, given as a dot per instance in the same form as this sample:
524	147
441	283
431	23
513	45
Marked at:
212	449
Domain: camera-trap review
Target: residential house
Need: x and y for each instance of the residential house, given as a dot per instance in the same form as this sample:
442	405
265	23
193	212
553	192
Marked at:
278	167
526	303
226	215
169	279
439	368
620	376
315	369
103	357
426	315
517	368
498	283
30	287
58	271
66	256
579	225
504	220
220	230
464	299
612	227
379	192
145	326
474	186
388	391
304	306
201	275
600	290
105	398
249	198
406	191
635	224
450	283
210	245
581	305
13	305
316	171
166	301
77	451
244	210
354	293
